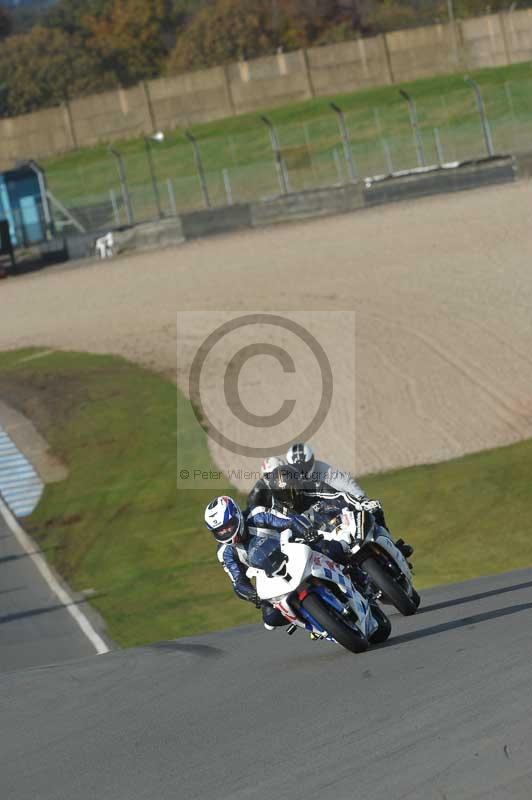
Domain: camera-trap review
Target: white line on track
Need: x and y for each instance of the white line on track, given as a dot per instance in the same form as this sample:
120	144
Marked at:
63	596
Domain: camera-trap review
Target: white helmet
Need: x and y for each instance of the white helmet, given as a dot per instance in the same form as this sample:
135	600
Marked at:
268	466
224	519
301	456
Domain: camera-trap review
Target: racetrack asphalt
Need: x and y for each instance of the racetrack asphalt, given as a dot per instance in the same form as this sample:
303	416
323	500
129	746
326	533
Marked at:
35	628
443	711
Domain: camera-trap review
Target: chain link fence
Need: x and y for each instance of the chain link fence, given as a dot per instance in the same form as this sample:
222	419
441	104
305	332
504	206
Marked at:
165	177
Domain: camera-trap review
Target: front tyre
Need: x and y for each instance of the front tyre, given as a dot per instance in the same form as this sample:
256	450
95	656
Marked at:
332	622
390	587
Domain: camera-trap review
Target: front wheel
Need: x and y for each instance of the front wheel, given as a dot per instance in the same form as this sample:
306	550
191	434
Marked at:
332	622
390	587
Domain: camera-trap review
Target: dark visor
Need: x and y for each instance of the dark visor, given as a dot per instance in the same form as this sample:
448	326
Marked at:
227	531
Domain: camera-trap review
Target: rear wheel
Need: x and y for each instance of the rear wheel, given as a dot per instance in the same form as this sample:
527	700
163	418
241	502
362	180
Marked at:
332	622
385	626
390	587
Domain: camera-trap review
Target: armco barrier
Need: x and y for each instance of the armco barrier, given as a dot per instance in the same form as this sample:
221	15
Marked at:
312	203
309	204
439	180
216	220
523	165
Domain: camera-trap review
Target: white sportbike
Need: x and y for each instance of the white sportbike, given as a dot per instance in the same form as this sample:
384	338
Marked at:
312	592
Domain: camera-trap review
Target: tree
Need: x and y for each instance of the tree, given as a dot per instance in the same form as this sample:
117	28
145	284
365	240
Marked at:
68	15
228	31
232	29
133	37
6	23
46	67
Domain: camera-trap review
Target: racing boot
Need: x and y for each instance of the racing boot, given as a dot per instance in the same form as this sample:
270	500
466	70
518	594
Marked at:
361	580
406	549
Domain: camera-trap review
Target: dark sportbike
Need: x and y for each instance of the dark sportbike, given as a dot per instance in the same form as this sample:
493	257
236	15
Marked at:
372	550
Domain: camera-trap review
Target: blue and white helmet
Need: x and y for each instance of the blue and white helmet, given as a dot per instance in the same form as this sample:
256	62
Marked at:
301	456
225	520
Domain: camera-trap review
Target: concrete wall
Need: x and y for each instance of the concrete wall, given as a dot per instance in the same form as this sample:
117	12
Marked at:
205	95
483	42
110	116
183	100
518	30
267	82
347	66
43	133
422	52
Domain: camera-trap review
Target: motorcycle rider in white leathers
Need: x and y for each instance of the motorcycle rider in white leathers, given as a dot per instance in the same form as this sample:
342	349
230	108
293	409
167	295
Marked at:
302	456
318	479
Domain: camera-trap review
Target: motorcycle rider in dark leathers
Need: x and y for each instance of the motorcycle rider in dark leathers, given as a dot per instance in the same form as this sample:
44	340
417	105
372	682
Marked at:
319	481
261	494
319	501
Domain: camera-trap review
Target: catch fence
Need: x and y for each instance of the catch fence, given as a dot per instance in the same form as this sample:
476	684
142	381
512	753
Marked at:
163	177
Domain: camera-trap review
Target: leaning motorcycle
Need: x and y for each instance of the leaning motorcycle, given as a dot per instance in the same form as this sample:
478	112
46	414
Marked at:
373	551
312	592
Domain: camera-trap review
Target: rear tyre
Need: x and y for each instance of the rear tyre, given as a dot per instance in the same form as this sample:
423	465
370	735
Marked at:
332	622
390	587
385	626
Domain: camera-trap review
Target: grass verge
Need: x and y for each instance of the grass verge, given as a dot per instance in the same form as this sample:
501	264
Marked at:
118	524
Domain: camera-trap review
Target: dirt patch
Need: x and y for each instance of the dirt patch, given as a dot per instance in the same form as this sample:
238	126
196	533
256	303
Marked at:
442	290
31	443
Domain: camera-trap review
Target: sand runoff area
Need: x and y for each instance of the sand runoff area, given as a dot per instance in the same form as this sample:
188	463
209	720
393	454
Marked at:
435	361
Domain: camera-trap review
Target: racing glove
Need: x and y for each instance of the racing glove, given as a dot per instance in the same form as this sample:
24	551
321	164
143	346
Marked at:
245	591
371	505
307	537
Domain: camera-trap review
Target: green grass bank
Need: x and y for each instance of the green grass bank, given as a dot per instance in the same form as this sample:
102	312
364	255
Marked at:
118	524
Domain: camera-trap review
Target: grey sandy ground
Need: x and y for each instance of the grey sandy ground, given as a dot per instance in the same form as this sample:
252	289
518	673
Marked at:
444	710
442	290
35	628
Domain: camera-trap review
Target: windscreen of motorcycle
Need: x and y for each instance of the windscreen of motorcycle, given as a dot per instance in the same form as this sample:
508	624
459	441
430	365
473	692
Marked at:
265	553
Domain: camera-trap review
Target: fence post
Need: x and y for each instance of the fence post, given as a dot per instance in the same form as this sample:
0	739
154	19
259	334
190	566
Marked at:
279	162
338	164
171	196
482	113
123	185
69	120
228	187
201	171
346	141
149	106
439	148
308	74
114	204
153	178
418	141
387	155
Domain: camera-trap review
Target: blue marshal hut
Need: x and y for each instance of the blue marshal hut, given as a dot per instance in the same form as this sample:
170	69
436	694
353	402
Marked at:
24	204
